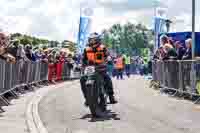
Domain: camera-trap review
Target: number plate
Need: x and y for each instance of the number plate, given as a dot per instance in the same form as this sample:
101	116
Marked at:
90	70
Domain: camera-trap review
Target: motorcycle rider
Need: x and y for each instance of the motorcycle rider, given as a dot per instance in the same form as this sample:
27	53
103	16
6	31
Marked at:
96	54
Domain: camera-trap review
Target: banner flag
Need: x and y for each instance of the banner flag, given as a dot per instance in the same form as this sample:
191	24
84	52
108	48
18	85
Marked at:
84	28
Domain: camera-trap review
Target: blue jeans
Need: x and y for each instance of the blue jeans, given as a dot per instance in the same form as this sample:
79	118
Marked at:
110	70
127	69
120	73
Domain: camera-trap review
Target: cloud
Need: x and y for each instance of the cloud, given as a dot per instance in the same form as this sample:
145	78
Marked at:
44	18
59	19
180	12
120	6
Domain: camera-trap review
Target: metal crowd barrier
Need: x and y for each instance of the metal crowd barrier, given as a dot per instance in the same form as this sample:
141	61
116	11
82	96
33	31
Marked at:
13	75
26	73
21	73
2	75
178	76
43	75
66	71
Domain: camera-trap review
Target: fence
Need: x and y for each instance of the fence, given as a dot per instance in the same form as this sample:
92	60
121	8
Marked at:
13	75
178	76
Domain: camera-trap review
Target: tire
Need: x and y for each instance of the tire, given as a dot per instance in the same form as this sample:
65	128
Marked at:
103	97
96	98
92	99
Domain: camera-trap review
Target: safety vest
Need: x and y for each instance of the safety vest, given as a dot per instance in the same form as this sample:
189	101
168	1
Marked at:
119	63
127	60
98	56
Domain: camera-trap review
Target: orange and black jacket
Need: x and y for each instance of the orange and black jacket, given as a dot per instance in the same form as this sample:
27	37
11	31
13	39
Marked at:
95	55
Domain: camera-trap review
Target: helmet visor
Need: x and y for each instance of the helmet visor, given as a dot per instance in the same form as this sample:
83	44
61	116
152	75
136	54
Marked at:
92	40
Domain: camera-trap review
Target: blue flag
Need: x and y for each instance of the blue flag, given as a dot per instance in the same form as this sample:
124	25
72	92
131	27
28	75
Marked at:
84	28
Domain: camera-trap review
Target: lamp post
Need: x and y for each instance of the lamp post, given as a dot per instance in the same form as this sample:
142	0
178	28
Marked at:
168	24
193	76
155	38
193	29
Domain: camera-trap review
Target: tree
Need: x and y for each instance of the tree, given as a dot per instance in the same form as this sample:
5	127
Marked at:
25	41
35	41
16	35
107	40
127	37
70	45
44	41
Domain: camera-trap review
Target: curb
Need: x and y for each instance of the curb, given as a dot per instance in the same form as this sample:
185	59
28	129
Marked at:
33	121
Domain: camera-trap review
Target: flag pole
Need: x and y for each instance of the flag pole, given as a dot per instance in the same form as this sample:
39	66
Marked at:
78	39
155	34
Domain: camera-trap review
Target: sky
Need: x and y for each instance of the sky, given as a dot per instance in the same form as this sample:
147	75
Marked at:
59	19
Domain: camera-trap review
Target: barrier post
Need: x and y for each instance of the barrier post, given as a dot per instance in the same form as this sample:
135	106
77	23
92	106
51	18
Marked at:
180	76
193	78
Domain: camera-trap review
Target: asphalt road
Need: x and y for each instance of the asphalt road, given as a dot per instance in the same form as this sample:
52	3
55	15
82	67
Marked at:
140	110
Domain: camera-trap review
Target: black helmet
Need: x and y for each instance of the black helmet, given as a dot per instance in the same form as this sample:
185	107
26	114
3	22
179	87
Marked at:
95	36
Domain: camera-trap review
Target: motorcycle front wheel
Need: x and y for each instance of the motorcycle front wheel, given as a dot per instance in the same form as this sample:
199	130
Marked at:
93	99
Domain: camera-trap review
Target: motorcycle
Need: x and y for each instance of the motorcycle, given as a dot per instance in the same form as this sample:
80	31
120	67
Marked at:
95	91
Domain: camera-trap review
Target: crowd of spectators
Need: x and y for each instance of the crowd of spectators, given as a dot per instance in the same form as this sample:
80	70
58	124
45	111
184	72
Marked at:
12	51
169	49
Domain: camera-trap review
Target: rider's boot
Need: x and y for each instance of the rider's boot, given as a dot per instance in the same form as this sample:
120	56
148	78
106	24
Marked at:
86	104
112	99
103	103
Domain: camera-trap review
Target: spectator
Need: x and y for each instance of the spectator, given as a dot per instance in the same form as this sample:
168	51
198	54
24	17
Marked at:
45	57
5	52
59	63
119	66
28	51
188	53
170	52
140	63
156	55
21	55
127	64
180	50
150	66
171	42
2	50
38	55
3	40
70	61
110	66
163	40
14	48
161	51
